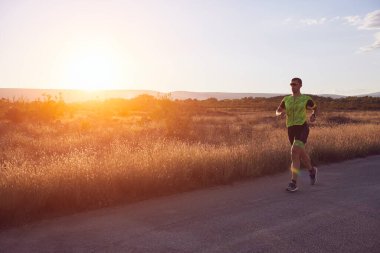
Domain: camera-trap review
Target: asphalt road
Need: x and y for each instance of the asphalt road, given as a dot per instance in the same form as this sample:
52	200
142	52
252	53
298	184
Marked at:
339	214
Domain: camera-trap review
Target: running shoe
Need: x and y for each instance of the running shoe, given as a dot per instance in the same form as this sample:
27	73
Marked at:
313	175
292	187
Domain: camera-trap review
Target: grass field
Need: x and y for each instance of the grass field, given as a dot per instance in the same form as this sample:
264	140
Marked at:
82	161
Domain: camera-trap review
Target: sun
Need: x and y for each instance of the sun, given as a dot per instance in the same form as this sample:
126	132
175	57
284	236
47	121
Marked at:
92	67
91	72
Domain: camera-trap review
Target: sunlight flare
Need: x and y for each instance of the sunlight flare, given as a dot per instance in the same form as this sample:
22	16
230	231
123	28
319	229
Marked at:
93	67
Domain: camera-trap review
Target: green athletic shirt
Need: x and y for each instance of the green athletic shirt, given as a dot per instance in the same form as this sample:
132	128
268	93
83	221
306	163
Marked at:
296	109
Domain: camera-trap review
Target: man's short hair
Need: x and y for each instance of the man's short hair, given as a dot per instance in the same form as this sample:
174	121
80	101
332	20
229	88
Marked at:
297	79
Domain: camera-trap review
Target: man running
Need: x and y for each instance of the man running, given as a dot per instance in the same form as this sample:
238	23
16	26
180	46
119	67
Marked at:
294	107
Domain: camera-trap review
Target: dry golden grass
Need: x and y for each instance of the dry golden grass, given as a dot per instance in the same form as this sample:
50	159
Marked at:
84	162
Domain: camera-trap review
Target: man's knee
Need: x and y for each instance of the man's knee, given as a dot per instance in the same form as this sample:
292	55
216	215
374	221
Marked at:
299	144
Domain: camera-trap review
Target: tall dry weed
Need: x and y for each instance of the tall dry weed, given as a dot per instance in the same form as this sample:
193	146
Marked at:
62	167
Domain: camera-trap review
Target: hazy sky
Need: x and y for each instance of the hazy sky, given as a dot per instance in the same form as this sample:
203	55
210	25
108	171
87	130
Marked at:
230	46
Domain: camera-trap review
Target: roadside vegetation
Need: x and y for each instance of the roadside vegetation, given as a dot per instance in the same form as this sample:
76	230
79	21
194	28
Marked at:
58	158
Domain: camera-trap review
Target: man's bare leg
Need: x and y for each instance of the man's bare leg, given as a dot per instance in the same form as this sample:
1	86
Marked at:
305	158
296	163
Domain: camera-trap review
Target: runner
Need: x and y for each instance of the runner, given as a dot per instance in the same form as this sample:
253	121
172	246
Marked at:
294	107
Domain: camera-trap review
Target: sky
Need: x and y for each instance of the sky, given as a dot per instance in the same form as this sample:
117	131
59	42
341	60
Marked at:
191	45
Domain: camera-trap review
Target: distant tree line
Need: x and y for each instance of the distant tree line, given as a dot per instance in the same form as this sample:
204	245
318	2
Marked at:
49	109
269	104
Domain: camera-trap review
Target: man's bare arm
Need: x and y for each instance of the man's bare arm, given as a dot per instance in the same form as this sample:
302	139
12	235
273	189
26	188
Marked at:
281	109
312	106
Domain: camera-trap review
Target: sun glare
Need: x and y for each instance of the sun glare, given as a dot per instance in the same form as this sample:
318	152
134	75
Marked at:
94	67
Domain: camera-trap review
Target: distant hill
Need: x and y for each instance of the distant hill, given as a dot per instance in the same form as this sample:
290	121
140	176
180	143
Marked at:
331	95
218	95
375	94
79	95
73	95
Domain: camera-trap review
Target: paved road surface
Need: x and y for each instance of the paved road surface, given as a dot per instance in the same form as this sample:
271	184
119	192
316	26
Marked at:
340	214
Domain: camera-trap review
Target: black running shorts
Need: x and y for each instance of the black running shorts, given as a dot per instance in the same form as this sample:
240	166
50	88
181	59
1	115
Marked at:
298	132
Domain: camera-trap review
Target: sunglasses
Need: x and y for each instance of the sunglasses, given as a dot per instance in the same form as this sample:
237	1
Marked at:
293	84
